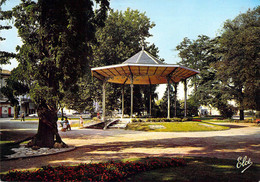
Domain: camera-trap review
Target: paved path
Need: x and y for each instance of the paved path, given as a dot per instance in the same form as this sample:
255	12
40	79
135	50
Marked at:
104	145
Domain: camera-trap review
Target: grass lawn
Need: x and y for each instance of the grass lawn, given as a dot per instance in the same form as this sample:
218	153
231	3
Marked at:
26	119
5	142
202	169
174	126
75	123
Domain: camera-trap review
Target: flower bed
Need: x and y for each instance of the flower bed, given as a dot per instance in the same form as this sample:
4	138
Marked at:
196	120
109	171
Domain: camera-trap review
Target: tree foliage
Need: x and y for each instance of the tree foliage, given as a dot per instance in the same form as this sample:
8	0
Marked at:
197	54
118	40
229	64
211	93
238	68
5	16
200	54
56	46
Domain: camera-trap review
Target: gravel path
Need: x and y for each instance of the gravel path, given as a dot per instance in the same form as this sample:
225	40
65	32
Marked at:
102	145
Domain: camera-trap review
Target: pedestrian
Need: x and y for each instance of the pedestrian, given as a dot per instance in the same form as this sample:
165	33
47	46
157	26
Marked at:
81	122
22	117
67	123
62	122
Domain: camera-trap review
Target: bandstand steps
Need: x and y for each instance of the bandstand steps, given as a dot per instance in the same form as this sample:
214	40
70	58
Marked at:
121	124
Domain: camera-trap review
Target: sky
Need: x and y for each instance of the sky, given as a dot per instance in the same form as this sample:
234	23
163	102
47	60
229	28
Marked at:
174	19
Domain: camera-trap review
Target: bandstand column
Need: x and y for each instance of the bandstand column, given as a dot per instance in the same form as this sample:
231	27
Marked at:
132	95
169	104
175	99
104	100
150	101
185	98
123	100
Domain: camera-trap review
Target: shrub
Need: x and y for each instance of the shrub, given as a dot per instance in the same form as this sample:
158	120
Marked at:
95	118
184	119
140	120
176	119
161	120
148	120
133	120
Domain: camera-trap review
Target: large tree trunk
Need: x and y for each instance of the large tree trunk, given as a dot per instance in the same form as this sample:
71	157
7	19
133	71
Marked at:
47	133
62	114
241	114
15	112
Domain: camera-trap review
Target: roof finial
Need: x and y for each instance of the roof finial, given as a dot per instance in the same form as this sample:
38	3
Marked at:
142	44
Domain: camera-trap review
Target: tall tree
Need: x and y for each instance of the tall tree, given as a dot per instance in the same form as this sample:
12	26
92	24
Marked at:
211	93
56	38
196	54
238	69
201	54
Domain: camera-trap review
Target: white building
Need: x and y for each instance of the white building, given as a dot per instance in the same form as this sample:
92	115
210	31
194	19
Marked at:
6	110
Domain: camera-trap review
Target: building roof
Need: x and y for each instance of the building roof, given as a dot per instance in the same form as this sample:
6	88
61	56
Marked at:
143	57
145	69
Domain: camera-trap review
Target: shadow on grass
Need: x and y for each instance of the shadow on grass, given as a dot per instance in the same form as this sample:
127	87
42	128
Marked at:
201	169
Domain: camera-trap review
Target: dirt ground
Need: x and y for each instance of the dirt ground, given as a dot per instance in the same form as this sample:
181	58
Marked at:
94	145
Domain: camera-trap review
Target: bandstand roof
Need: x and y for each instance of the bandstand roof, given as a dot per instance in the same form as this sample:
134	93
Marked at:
145	69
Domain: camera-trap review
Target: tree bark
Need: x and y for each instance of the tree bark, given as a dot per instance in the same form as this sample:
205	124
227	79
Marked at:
15	112
241	114
62	114
47	133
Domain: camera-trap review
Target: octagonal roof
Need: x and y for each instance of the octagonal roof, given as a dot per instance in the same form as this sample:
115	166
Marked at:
145	69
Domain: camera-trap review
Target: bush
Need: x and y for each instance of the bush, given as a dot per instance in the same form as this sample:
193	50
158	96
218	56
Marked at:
148	120
140	120
95	119
176	119
161	120
133	120
184	119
